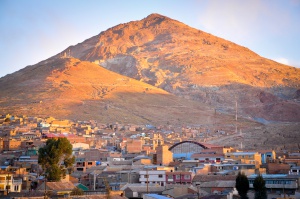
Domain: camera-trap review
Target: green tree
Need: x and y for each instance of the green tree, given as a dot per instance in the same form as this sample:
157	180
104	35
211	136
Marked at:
259	186
77	191
55	158
242	185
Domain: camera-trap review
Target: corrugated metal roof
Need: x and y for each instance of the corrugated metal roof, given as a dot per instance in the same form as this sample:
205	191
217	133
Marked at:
156	196
229	183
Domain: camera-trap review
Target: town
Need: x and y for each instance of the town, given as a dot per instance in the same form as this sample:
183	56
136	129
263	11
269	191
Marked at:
137	161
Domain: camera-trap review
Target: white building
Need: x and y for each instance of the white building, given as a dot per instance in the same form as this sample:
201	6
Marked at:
153	177
8	183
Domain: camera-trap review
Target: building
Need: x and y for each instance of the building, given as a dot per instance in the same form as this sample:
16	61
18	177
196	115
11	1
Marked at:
218	187
164	156
8	183
245	157
11	145
278	183
295	170
157	140
58	188
134	146
179	177
208	158
153	177
184	150
278	168
267	156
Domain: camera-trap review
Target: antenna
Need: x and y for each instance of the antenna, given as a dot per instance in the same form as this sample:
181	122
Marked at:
236	111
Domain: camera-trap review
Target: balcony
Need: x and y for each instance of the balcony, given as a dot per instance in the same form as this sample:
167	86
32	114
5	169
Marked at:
13	182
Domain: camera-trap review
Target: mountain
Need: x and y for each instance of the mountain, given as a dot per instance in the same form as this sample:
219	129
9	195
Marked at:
196	65
155	70
70	88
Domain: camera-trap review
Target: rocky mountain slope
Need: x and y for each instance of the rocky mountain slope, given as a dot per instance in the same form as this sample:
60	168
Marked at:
81	90
196	65
163	71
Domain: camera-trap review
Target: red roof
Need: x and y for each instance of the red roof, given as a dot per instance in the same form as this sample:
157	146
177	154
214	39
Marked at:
56	135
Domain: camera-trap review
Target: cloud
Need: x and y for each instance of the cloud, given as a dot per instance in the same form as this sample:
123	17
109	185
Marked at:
282	60
288	62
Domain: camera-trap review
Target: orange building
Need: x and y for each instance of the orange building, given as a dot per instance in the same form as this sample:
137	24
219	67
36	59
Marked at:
164	156
134	146
11	145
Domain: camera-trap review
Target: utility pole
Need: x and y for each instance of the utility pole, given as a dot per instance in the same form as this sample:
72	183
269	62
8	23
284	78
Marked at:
94	181
236	111
147	181
7	186
45	192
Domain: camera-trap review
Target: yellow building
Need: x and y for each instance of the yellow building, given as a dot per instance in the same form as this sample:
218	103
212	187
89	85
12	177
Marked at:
8	183
157	140
245	157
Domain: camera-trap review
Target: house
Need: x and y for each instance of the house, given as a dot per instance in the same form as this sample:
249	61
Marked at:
138	190
153	177
278	168
267	156
11	145
199	179
292	159
57	188
218	187
245	157
183	191
208	157
179	177
134	146
8	183
295	170
90	158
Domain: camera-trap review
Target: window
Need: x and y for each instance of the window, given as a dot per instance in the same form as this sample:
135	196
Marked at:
16	188
90	163
160	176
177	176
187	177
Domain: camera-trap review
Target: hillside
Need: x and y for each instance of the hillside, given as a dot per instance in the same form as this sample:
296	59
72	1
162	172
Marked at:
74	89
196	65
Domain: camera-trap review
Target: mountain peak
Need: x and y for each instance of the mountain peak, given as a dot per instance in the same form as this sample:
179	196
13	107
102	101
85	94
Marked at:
155	19
155	15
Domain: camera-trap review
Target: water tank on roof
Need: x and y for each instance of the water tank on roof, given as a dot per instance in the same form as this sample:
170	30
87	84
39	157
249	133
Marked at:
98	163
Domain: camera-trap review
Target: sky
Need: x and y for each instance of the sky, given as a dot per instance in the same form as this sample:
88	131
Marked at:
34	30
